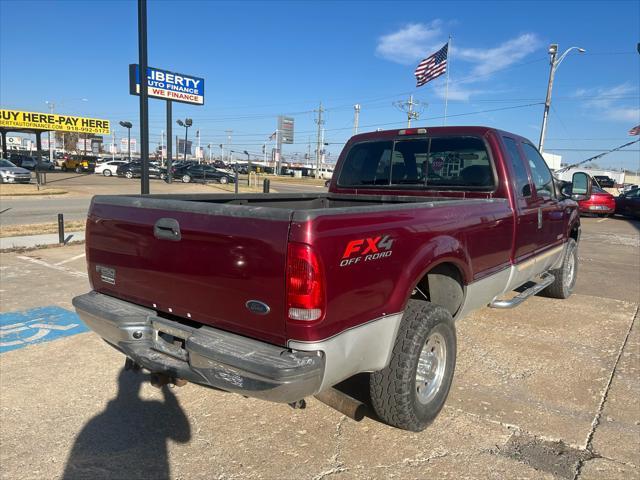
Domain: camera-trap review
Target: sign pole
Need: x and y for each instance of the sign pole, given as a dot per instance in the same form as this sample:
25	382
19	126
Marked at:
169	144
144	104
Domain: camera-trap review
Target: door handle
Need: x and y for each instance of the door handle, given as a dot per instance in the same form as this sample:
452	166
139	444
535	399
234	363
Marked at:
539	218
167	229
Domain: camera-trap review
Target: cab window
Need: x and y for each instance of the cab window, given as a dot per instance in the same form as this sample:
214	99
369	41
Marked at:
540	173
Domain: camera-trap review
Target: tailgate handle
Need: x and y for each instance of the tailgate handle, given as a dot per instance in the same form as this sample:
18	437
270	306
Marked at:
167	229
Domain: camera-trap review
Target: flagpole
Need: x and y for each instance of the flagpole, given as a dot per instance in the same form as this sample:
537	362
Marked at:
446	92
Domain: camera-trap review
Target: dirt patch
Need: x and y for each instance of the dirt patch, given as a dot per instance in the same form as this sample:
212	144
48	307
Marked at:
39	228
18	190
557	458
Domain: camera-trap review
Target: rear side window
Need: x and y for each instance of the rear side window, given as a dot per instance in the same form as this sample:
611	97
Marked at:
540	173
522	177
448	162
367	164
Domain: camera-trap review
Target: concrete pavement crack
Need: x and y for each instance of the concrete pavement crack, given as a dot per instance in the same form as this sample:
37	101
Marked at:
338	464
603	399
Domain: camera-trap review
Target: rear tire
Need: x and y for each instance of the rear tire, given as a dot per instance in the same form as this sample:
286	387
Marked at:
566	275
106	173
223	180
410	392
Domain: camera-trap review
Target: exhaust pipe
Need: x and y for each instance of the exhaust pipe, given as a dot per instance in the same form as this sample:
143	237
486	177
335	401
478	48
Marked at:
343	403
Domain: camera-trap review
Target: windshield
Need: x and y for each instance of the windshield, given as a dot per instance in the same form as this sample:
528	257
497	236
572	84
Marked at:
438	162
6	164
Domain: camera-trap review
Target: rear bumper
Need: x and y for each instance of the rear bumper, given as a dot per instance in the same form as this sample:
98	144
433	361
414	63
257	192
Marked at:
204	355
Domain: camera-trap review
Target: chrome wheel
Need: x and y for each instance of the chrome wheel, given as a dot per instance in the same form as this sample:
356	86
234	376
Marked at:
431	367
107	173
570	273
186	179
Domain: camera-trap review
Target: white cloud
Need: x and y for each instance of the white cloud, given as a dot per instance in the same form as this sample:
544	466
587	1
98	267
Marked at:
411	43
457	92
622	114
493	59
607	103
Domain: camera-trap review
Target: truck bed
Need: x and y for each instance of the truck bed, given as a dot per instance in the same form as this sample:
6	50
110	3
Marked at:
232	248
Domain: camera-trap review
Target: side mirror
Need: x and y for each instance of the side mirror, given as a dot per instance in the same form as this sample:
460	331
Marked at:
581	184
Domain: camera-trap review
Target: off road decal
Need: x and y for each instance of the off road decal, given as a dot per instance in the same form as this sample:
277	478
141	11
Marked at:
366	250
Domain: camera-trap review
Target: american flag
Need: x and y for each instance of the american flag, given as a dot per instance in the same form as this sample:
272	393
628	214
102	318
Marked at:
635	130
432	66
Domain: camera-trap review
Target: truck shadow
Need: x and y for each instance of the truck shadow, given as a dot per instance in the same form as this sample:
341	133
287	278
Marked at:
128	440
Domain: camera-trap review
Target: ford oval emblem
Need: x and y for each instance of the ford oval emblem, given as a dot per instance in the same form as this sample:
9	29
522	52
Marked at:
259	308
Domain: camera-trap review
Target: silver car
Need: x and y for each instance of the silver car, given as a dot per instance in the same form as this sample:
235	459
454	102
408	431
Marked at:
9	173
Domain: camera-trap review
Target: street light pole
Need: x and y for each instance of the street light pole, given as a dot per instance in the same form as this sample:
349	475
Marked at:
186	124
128	126
553	51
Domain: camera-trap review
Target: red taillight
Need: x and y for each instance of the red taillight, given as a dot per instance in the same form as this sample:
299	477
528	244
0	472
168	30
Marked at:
305	283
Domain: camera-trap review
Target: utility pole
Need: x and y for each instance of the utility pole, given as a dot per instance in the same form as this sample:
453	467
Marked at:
162	147
356	118
51	107
410	113
320	122
113	144
408	108
553	51
199	153
229	133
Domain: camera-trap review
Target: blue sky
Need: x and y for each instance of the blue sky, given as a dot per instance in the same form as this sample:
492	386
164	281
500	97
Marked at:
261	59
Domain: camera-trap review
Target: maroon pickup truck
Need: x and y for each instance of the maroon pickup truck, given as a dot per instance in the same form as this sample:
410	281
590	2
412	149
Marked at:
283	296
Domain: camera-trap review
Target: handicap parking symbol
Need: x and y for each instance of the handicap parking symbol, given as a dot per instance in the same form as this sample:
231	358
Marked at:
24	328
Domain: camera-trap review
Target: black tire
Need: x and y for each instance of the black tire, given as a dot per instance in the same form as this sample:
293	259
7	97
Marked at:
224	180
128	174
78	169
395	390
64	168
106	172
186	179
566	275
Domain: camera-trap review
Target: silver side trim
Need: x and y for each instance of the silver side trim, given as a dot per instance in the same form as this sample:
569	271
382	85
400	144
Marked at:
365	348
482	292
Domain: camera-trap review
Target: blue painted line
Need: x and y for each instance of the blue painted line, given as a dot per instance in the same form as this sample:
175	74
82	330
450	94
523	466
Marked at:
38	325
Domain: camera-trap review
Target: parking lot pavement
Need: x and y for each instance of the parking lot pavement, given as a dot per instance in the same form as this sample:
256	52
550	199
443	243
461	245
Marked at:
81	187
548	390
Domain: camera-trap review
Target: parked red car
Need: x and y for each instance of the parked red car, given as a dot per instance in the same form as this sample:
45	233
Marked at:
600	202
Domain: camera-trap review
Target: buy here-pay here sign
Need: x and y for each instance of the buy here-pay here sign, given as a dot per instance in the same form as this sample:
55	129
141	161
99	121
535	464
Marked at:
52	121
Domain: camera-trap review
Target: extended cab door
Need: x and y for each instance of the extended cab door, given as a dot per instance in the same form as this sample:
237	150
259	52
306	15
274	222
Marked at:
525	242
551	212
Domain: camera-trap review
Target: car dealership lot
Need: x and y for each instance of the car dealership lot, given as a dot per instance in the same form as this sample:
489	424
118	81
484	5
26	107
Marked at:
548	390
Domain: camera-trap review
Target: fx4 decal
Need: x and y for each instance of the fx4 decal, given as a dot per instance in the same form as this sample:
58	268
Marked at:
367	249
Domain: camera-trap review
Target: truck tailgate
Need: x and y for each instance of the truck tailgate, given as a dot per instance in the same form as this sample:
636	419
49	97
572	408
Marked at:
223	257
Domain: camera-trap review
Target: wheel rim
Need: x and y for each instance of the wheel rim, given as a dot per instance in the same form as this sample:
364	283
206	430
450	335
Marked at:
570	273
223	180
431	367
186	179
107	173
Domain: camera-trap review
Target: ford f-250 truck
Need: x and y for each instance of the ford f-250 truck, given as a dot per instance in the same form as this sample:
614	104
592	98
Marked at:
283	296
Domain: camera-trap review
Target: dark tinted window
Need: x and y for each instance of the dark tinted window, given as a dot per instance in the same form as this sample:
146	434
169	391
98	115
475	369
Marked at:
438	162
540	173
522	177
367	164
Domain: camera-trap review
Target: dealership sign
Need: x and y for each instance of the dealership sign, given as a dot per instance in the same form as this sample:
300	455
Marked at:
52	121
168	85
